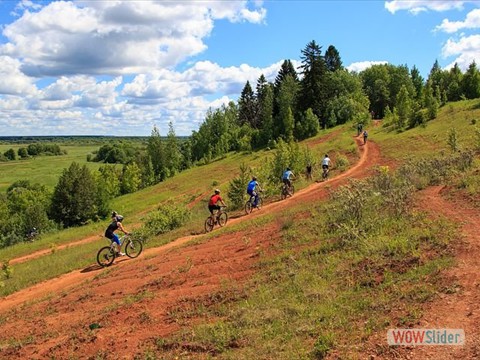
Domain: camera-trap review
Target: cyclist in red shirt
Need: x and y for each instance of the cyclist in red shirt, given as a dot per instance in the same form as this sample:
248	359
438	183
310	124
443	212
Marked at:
214	199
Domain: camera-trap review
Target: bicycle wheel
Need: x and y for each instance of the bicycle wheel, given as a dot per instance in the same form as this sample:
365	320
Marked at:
248	207
259	203
133	248
292	190
209	224
284	193
105	256
222	219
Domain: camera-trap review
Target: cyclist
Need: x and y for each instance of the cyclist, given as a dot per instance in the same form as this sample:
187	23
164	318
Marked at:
212	204
309	171
253	188
110	231
359	129
325	165
365	135
286	178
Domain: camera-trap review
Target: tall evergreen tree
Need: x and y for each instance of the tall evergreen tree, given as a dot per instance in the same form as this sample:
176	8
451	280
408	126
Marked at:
173	156
436	79
332	59
265	109
157	154
471	82
287	98
313	93
430	102
247	107
404	107
454	84
418	82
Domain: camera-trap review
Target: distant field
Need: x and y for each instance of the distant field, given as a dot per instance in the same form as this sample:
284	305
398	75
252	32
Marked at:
44	170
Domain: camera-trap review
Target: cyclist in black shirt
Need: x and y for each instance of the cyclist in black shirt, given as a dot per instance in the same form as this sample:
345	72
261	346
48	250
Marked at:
115	225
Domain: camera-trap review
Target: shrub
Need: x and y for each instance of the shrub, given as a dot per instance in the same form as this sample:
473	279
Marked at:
341	162
165	219
237	190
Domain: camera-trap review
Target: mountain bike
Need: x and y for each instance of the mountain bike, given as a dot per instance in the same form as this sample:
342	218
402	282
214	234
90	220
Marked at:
107	254
249	204
325	173
220	218
287	190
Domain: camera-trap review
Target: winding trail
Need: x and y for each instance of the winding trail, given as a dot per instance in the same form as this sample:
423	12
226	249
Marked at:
53	317
316	191
458	310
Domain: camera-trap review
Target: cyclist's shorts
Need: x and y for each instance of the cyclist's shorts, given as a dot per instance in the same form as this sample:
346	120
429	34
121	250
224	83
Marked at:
286	181
324	166
213	207
115	239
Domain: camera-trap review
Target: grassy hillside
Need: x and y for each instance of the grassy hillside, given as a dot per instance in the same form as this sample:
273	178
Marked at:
192	186
336	271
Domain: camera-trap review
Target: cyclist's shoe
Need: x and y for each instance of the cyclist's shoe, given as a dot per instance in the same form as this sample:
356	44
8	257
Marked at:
120	254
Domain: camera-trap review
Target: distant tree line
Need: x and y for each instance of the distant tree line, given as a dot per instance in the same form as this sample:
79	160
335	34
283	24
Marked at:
31	150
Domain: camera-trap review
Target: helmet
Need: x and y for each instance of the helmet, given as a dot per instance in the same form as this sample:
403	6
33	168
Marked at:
254	178
217	191
288	169
326	155
114	213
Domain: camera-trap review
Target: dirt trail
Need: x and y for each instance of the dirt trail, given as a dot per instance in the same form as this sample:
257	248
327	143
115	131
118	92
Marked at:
52	318
458	310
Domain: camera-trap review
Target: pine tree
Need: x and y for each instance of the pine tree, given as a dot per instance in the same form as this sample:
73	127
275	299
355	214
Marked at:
332	59
173	156
313	91
471	82
404	107
247	107
418	82
157	155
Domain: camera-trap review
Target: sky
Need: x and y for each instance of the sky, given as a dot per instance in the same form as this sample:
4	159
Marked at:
122	67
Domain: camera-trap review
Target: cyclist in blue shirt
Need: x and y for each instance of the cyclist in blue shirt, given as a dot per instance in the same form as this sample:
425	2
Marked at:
252	189
286	178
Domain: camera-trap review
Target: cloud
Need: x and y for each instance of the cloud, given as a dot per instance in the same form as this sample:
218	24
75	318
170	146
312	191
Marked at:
362	65
135	104
472	21
14	82
116	37
77	67
466	50
417	6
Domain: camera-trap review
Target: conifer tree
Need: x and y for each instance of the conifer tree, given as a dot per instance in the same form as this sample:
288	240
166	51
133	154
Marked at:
332	59
157	154
471	82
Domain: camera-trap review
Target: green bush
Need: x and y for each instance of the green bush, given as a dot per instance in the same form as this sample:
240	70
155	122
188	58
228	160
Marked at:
238	188
165	219
341	162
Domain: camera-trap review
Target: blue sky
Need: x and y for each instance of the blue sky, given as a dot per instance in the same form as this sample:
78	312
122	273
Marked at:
121	67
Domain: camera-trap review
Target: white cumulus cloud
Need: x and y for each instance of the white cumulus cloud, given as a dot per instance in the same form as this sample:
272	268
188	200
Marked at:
362	65
417	6
466	50
472	21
